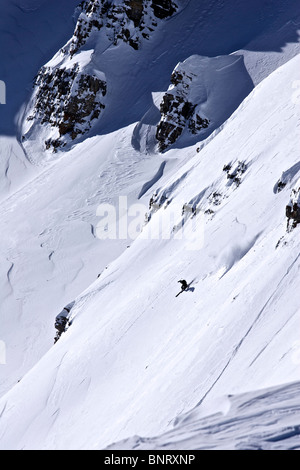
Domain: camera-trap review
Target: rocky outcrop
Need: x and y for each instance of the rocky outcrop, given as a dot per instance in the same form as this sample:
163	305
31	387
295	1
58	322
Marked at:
163	8
203	94
235	172
293	209
179	110
68	100
69	94
129	21
62	321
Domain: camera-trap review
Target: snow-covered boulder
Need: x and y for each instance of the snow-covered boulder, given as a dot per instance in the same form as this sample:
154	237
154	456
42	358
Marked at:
203	93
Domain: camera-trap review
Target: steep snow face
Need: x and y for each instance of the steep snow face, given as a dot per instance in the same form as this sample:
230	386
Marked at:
15	169
49	248
135	357
267	420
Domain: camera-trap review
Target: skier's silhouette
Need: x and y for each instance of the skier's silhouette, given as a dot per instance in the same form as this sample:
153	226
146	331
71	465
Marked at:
185	287
184	284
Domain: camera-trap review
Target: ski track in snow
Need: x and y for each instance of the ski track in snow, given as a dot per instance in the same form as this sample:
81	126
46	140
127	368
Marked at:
9	273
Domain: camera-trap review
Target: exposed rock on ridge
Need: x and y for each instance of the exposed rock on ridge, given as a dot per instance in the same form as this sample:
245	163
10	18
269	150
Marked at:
129	21
69	93
68	100
178	110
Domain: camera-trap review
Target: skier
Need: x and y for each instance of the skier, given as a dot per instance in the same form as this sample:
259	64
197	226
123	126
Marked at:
184	284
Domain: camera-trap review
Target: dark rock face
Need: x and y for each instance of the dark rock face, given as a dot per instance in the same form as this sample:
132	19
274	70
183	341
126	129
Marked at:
62	321
178	111
61	325
119	20
135	11
68	100
235	174
293	210
163	8
198	123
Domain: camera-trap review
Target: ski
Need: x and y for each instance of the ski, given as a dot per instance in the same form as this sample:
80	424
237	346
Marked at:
183	290
180	293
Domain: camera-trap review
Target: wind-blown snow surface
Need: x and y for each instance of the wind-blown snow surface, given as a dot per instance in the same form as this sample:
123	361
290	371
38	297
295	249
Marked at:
265	420
135	357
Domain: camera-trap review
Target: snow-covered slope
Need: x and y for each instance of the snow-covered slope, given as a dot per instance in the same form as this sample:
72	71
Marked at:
49	248
135	357
267	420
